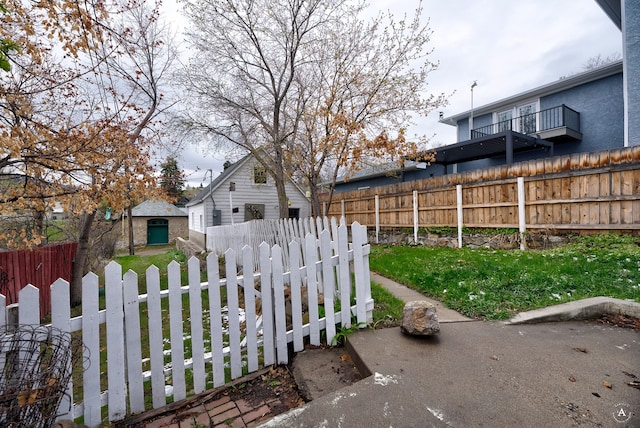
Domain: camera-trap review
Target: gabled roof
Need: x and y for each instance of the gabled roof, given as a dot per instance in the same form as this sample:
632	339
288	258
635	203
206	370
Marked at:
157	208
550	88
217	182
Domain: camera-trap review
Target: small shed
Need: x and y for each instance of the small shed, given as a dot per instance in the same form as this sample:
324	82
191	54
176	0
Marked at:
157	222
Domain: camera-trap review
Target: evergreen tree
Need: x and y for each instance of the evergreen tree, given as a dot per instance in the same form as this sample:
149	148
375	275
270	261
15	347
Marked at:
172	179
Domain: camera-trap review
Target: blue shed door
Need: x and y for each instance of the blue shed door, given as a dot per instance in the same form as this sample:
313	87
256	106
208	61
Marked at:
157	231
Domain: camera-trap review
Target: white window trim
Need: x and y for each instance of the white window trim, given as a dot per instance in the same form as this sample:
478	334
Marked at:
515	114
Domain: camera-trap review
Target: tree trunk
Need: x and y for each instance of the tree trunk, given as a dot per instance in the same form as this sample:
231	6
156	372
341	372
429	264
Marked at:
81	258
316	206
283	201
132	250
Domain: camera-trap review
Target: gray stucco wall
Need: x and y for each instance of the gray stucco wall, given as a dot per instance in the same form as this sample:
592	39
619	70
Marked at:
601	109
631	46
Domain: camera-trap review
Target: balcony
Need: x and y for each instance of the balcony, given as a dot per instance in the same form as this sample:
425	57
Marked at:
557	124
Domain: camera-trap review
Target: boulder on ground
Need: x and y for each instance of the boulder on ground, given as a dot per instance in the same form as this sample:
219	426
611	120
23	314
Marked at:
419	318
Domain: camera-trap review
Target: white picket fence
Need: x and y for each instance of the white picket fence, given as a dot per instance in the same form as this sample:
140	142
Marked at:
274	232
216	346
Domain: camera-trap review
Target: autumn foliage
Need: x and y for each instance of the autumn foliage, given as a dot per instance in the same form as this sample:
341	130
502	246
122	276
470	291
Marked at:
65	126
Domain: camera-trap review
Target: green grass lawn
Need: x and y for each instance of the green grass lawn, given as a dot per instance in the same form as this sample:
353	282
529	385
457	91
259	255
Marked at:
496	284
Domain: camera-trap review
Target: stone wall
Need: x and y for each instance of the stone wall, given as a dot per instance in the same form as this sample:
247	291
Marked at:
473	240
189	248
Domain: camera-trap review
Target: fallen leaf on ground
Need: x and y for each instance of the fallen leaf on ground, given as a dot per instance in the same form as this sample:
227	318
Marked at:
629	374
494	357
572	379
583	350
345	357
607	384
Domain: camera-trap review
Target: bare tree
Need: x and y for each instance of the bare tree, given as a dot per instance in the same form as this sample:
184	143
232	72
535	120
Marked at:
242	79
133	60
366	82
596	62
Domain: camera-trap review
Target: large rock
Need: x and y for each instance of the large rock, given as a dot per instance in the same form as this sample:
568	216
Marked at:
419	318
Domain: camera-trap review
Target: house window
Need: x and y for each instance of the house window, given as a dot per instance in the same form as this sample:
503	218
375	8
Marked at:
527	118
503	120
200	224
253	212
193	220
259	174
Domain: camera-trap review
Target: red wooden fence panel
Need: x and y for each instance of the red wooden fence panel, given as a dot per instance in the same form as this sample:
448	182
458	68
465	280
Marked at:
39	267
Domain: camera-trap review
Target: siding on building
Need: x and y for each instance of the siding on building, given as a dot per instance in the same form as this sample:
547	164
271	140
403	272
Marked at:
246	192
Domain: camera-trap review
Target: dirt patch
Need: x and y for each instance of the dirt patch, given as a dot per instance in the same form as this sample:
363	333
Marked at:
620	320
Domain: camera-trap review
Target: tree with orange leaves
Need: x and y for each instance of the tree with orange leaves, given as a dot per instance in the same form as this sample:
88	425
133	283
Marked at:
71	123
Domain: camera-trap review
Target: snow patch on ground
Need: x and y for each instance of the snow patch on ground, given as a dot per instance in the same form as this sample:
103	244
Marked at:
380	379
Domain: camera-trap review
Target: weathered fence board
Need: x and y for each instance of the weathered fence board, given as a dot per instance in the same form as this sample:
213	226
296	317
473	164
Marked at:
39	267
586	191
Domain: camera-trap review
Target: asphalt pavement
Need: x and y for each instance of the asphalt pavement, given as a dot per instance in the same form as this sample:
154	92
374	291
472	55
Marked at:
489	374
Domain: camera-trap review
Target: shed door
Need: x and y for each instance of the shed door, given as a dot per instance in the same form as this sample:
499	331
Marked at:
157	231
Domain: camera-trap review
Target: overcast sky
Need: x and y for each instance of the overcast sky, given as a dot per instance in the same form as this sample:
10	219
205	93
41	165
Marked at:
506	46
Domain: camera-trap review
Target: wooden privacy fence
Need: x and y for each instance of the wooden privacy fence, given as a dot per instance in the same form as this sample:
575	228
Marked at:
185	338
39	267
587	191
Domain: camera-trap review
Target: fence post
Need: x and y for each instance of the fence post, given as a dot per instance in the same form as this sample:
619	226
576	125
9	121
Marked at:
342	208
521	212
415	216
377	205
460	218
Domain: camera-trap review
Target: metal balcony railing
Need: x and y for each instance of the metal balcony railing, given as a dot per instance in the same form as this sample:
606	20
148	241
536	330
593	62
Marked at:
552	118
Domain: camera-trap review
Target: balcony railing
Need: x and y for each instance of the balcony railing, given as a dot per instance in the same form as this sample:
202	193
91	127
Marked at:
535	123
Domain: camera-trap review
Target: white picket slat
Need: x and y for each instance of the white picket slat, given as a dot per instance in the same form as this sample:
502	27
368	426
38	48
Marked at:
312	289
91	341
235	353
156	346
358	260
115	342
328	277
279	306
29	313
366	273
132	340
215	311
344	276
176	331
334	235
296	300
250	310
268	342
197	330
61	319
